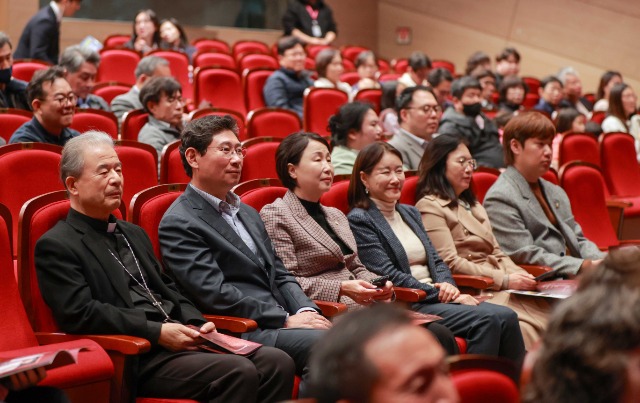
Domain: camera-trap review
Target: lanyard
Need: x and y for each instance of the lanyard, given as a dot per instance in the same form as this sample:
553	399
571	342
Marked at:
313	13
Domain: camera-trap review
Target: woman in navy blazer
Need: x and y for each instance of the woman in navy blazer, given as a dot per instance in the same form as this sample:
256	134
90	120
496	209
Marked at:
410	260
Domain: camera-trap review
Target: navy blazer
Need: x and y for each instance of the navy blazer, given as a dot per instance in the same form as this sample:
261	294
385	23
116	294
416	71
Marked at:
217	270
380	249
40	39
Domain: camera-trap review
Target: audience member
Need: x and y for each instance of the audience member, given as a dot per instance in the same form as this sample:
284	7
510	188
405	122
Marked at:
207	234
40	38
378	356
388	115
174	38
487	81
285	87
367	67
531	217
507	64
314	241
466	118
311	21
622	115
573	91
419	116
607	81
392	241
148	67
22	387
146	32
570	120
13	92
353	127
162	99
512	91
440	82
461	232
81	66
53	104
550	95
591	351
417	71
329	67
477	60
103	270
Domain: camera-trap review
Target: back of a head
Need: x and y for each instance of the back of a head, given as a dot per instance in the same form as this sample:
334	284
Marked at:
419	60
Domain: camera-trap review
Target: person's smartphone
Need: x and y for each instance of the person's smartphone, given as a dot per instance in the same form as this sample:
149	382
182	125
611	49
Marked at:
380	281
548	276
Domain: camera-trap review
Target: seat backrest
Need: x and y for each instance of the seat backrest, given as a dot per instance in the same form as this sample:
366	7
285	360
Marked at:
171	168
532	83
253	82
619	164
209	45
384	66
485	386
319	105
578	147
350	77
179	65
94	119
585	188
26	174
444	64
110	89
258	60
25	69
337	197
258	198
132	122
276	122
388	77
408	193
115	41
242	130
313	50
118	65
214	59
249	46
598	117
350	52
370	95
260	161
251	185
139	167
148	206
481	182
530	100
15	329
401	65
221	87
11	119
551	176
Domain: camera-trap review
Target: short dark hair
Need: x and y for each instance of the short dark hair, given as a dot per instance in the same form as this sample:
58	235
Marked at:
432	179
290	151
35	90
363	56
366	160
459	86
4	40
406	97
506	52
287	42
338	366
548	80
524	126
510	82
565	118
480	72
419	60
436	76
349	117
323	59
199	133
153	89
476	59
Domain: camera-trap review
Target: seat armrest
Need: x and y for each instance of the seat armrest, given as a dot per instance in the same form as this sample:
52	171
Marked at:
409	294
616	208
232	323
535	269
330	309
127	345
479	282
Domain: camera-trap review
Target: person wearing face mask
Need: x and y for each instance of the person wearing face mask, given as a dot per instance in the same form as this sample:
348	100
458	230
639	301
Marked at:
466	119
13	92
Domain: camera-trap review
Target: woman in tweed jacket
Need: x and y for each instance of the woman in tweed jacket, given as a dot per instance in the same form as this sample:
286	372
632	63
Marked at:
392	241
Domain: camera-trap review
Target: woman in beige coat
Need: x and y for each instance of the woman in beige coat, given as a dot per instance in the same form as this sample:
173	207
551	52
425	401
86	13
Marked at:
461	232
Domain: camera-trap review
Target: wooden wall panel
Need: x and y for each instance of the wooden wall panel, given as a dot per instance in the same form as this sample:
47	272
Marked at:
357	22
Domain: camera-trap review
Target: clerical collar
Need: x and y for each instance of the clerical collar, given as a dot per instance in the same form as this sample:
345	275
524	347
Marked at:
97	225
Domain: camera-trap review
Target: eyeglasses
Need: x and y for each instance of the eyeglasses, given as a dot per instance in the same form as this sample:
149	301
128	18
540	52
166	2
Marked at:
61	99
228	151
427	109
471	162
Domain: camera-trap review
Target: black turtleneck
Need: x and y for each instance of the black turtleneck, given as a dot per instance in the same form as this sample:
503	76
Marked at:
314	210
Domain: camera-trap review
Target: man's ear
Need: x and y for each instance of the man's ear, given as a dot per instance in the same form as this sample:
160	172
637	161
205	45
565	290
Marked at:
70	183
152	107
35	105
191	154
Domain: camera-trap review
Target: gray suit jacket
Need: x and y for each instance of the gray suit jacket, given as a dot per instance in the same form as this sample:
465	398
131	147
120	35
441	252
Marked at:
218	272
381	251
125	103
525	233
410	149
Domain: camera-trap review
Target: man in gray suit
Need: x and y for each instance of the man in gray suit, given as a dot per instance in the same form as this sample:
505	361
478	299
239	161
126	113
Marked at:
148	67
532	218
418	116
218	250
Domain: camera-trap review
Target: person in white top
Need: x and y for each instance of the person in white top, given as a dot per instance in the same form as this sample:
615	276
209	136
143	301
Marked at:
329	67
607	81
418	70
622	115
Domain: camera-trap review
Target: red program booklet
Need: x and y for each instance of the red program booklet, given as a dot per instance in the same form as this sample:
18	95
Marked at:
49	359
224	344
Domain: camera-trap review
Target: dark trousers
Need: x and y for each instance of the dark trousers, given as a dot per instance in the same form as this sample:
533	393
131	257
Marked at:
488	328
266	376
38	394
444	336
